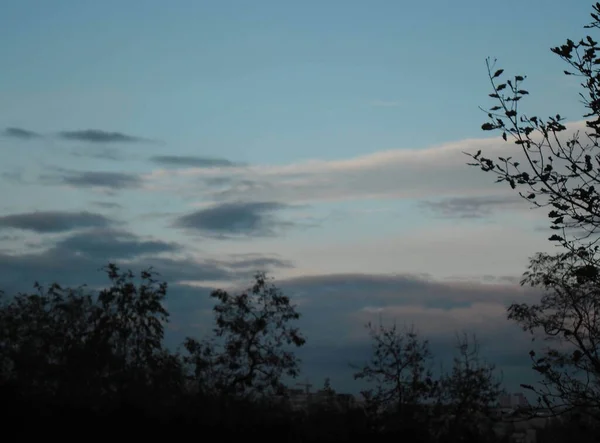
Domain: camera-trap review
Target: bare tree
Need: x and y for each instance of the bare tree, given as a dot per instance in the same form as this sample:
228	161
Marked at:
399	369
468	394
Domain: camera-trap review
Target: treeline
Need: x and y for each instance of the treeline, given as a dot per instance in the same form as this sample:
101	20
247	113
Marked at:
76	361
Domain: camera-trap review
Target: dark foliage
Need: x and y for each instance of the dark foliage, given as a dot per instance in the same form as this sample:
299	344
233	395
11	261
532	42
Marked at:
73	359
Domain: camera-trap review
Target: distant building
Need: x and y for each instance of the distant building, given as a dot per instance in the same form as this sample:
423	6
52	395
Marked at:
299	399
513	401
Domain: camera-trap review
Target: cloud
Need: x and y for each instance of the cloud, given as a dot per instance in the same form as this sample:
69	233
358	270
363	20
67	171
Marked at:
14	176
357	291
100	136
54	221
77	259
470	207
104	153
107	205
20	133
234	219
97	136
415	174
112	244
93	179
258	262
336	307
192	161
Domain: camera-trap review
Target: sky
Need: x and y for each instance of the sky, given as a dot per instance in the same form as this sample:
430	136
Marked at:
319	141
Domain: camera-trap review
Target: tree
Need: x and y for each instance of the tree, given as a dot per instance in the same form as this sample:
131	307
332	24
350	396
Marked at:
469	392
560	172
250	353
327	386
568	315
76	347
398	368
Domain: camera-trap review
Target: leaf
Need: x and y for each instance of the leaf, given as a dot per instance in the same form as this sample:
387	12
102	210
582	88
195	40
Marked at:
488	126
498	73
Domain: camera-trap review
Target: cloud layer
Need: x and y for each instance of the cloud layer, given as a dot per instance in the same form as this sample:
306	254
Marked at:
54	221
20	133
192	161
426	174
95	179
471	207
234	219
96	136
99	136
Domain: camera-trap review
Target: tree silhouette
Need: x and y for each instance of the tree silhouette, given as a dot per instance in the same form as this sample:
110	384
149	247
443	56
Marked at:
74	347
250	353
560	172
398	368
568	315
468	394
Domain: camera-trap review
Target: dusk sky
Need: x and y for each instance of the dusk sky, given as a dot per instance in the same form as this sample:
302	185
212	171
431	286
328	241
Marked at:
320	141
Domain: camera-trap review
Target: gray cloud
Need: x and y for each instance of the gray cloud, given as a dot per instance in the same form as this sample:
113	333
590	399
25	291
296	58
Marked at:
110	180
14	176
217	181
111	244
100	136
54	221
257	262
356	291
107	205
247	219
9	237
20	133
192	161
102	153
77	259
469	207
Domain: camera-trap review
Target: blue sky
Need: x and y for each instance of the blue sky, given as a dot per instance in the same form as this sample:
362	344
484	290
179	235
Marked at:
316	139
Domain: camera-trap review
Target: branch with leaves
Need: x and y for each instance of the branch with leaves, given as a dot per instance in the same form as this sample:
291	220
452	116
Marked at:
560	172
